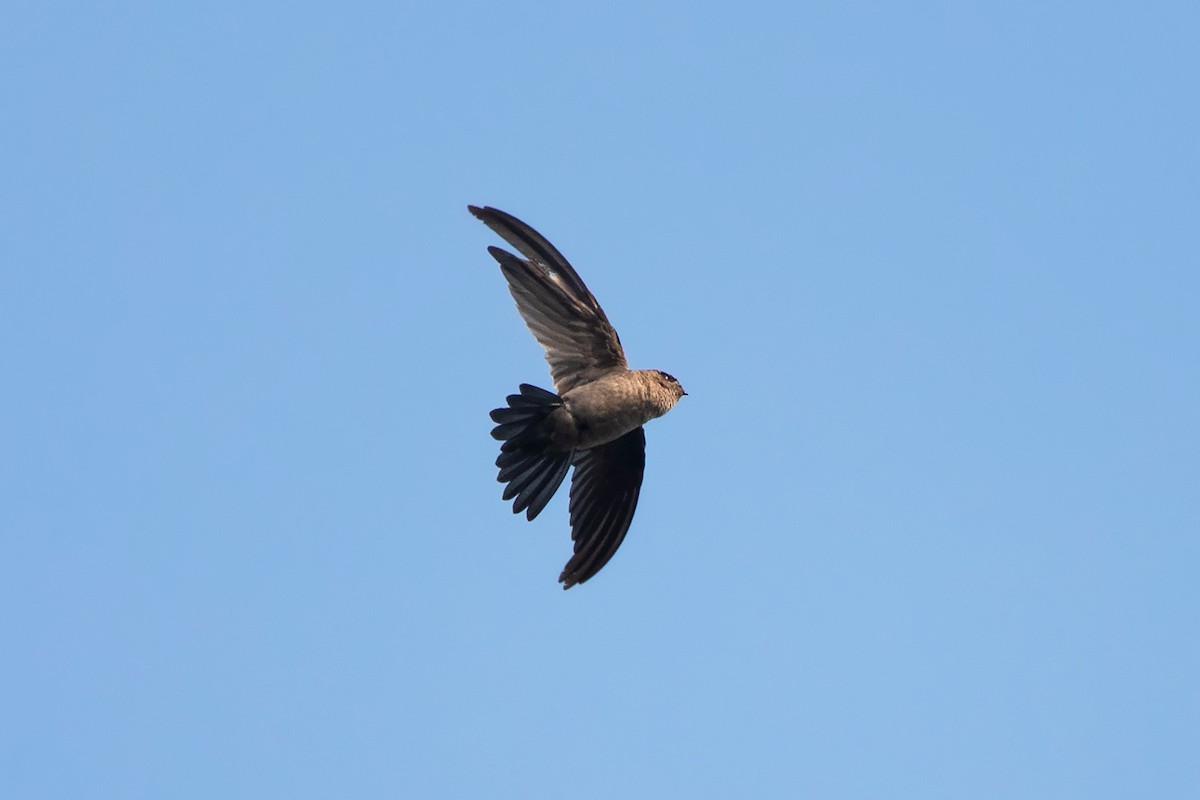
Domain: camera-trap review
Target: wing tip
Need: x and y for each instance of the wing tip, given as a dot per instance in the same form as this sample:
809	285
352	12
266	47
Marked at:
490	216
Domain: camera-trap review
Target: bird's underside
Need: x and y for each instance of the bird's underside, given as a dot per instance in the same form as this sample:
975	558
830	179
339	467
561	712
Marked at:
593	423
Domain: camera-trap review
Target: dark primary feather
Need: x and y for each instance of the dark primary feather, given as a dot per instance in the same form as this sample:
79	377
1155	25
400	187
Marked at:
563	315
533	246
604	495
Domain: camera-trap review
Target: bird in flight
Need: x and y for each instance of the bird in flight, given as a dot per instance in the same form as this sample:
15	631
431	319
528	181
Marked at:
593	423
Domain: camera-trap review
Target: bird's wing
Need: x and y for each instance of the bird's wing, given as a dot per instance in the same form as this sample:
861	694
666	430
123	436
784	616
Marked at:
604	494
580	342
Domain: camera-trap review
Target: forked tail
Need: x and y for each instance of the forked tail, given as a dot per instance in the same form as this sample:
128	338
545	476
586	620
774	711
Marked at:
533	473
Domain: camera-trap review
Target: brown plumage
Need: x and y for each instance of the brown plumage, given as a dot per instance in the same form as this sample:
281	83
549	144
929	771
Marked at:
593	423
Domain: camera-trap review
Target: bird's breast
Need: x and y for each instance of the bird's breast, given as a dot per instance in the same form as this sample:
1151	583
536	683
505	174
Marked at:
607	409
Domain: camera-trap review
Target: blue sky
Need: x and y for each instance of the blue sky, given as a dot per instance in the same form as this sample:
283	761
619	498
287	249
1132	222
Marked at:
925	526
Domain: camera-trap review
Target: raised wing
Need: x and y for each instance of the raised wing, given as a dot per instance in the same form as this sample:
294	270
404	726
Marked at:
604	495
580	342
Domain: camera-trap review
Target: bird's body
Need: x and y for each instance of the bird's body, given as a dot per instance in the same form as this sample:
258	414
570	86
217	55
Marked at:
595	421
610	407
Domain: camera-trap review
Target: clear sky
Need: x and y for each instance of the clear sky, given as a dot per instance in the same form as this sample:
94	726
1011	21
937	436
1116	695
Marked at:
926	526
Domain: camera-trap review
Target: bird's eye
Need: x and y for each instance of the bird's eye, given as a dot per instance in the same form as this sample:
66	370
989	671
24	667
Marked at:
671	378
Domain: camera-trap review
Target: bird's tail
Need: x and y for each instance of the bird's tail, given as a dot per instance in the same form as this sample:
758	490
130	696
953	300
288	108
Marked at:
533	473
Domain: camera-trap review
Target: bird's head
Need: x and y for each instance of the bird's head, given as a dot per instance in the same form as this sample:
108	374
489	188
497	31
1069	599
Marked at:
669	383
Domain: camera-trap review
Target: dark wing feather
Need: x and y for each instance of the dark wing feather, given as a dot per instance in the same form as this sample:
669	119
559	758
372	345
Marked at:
604	495
563	315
